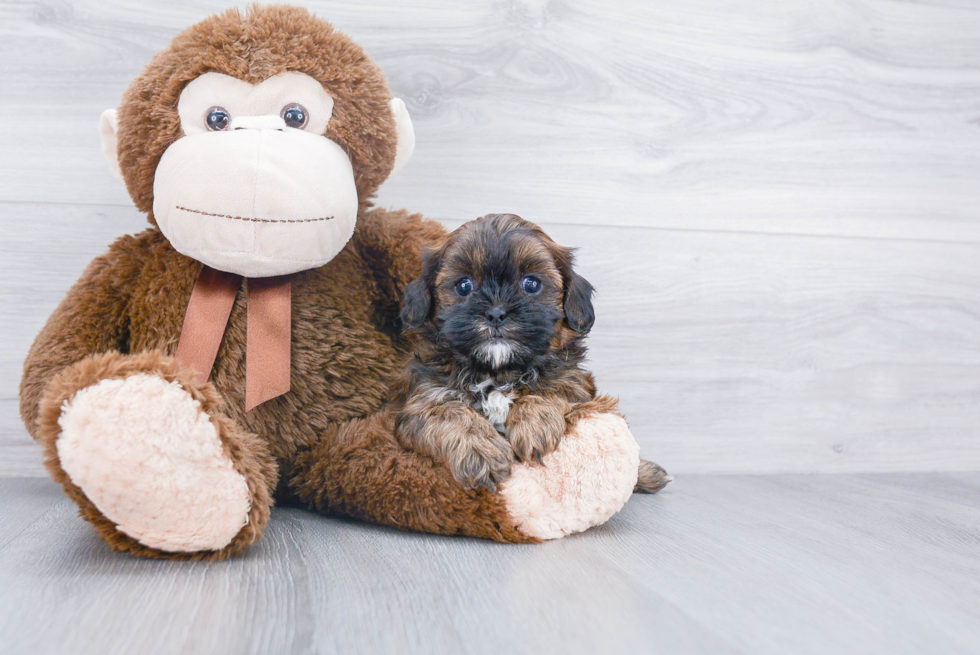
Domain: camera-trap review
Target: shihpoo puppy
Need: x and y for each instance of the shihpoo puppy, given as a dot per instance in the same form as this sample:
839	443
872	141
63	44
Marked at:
498	319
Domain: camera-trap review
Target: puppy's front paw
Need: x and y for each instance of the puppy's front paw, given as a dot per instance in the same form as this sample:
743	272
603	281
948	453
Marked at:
480	459
535	427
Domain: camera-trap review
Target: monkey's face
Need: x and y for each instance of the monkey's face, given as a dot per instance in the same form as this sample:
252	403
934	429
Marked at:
497	292
256	138
253	187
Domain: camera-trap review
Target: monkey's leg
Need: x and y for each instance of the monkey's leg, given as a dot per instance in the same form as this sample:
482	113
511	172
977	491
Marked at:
152	461
359	470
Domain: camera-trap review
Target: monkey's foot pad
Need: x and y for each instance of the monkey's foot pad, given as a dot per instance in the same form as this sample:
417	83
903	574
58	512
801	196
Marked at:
150	459
585	481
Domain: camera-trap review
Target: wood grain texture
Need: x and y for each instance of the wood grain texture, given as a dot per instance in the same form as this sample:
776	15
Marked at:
714	564
777	200
857	118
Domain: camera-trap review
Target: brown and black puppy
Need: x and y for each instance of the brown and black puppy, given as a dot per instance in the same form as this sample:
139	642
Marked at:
499	319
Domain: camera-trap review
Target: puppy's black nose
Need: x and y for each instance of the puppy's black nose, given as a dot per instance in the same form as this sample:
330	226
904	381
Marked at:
496	314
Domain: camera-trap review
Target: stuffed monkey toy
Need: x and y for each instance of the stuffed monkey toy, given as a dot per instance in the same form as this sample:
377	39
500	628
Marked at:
238	351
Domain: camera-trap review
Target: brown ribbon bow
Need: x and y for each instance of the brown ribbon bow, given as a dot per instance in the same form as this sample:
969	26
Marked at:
267	340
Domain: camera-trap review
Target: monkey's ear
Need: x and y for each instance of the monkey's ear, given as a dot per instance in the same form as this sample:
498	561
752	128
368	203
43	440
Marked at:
417	304
578	304
406	134
107	132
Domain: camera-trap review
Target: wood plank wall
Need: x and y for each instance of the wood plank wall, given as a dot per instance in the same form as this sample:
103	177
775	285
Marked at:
778	200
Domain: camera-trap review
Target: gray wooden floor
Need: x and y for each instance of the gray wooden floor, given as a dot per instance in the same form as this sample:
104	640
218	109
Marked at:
779	203
873	563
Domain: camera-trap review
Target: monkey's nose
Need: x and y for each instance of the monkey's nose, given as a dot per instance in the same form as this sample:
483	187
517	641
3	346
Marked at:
496	314
269	122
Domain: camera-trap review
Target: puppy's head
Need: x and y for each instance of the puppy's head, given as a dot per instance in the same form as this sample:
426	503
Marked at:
500	293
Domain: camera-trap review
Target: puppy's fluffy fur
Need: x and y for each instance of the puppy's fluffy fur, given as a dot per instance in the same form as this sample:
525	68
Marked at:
498	317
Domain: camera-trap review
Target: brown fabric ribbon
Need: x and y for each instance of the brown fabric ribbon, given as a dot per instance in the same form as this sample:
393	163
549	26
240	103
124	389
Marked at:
269	324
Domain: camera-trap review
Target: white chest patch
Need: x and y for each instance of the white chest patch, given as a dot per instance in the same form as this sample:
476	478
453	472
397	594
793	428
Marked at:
496	407
495	353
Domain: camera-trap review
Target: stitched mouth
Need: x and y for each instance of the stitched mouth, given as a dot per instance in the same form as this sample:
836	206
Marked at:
256	220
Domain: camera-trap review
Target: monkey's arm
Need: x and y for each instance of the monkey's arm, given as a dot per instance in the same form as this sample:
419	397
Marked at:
359	469
93	318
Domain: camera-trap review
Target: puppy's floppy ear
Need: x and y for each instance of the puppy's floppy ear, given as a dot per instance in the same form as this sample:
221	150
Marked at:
578	303
578	292
417	303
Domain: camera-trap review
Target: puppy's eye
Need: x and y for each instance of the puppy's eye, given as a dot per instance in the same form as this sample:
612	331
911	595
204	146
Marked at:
531	285
464	287
217	119
295	115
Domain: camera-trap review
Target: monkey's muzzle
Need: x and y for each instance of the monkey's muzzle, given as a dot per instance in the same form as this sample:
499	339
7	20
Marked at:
256	202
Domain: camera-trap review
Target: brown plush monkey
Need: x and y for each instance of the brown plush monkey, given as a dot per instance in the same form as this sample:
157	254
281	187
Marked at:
239	350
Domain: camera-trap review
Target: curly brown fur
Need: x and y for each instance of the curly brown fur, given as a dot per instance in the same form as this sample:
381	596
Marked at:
451	431
498	318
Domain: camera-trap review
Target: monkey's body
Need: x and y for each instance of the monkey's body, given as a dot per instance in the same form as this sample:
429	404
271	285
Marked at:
346	350
346	340
166	465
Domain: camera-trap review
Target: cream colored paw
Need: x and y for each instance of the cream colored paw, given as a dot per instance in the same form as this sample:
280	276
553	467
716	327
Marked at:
584	482
151	461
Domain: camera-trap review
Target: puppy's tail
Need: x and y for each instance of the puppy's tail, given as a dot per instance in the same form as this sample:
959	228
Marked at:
652	478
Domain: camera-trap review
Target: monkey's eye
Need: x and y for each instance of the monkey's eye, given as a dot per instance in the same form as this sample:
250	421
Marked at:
295	115
531	285
217	119
464	287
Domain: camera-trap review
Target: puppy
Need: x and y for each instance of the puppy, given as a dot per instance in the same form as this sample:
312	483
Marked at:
498	318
